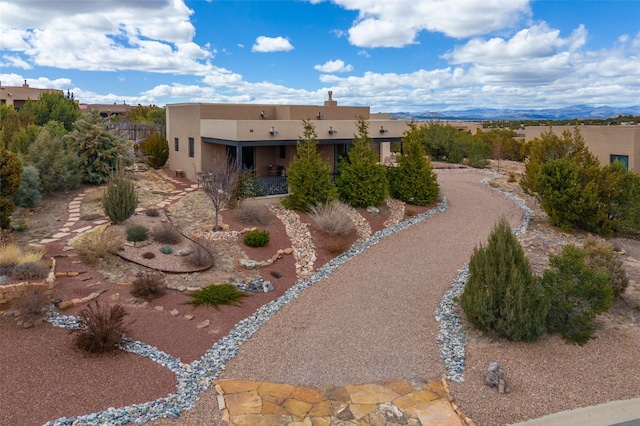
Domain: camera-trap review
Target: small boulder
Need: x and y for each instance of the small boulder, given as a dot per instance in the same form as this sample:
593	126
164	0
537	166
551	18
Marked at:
496	378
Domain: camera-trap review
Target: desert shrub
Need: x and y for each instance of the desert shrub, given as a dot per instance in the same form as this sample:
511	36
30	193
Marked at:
99	150
216	295
502	294
97	244
512	177
137	233
30	271
336	244
166	234
148	255
362	181
600	255
331	218
22	225
166	249
10	177
101	328
31	304
413	181
248	187
149	285
28	194
578	294
309	178
479	154
252	214
156	150
121	199
58	166
256	238
152	212
198	257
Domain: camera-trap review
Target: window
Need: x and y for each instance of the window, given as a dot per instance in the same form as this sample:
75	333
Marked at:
176	144
283	151
624	159
191	147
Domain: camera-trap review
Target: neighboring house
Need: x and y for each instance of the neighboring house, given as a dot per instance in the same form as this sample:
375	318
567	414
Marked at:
17	96
107	110
608	143
263	137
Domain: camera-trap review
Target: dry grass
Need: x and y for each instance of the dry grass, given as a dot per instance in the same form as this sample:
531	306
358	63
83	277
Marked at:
252	214
30	271
96	195
331	218
149	285
97	244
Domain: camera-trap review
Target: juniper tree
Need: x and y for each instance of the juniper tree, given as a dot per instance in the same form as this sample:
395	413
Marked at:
362	181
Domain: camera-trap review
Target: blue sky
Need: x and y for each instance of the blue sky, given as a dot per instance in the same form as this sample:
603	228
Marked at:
394	55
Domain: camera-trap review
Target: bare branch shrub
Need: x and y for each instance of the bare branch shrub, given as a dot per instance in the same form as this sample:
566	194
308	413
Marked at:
31	305
149	285
199	257
101	328
252	214
219	182
166	233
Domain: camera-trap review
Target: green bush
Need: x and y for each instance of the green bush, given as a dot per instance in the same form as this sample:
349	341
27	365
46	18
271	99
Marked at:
600	255
120	199
137	233
578	294
413	181
100	329
58	167
256	238
10	177
28	195
156	150
309	178
216	295
362	181
502	294
149	285
166	249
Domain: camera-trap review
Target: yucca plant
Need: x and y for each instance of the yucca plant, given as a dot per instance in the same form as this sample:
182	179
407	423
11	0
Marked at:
121	199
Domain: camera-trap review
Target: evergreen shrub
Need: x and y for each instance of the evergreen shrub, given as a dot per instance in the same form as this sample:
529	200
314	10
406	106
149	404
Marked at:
216	295
156	150
120	199
256	238
502	294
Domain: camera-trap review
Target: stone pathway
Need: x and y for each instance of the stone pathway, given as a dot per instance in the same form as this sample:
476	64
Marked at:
248	403
69	229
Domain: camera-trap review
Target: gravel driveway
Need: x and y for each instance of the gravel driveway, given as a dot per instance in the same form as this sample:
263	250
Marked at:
373	319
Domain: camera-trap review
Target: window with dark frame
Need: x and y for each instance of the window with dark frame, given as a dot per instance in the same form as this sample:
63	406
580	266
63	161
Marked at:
191	147
176	144
624	159
283	151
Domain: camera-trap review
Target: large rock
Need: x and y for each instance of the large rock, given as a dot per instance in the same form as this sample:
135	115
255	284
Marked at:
496	378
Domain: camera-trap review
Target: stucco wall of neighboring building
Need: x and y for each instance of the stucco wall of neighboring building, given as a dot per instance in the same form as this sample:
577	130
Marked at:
184	123
602	141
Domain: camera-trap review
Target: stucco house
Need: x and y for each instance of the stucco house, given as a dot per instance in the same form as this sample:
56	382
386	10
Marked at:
608	143
263	137
17	96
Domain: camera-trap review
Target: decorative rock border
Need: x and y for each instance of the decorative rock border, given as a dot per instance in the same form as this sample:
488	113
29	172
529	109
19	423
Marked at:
451	337
196	377
9	292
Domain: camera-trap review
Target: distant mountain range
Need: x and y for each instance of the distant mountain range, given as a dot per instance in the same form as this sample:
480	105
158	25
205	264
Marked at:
485	114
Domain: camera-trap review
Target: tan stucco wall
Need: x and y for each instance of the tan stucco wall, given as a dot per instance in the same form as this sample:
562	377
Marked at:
184	123
602	141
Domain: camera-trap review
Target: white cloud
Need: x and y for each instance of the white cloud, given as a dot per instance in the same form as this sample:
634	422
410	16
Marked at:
15	61
334	66
153	35
265	44
41	82
397	23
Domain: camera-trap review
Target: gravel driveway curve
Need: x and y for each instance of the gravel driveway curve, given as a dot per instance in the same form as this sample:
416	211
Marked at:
372	320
